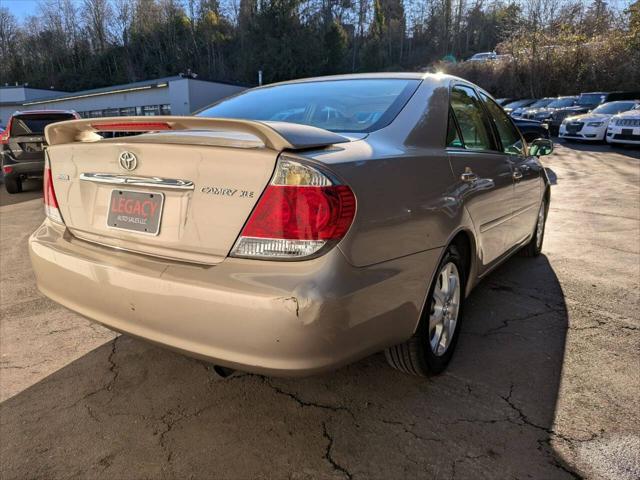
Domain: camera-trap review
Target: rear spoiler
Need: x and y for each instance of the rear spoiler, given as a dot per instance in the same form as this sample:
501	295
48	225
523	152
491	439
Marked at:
274	135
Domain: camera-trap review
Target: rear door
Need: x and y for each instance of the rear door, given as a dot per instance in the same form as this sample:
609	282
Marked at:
527	173
26	134
484	175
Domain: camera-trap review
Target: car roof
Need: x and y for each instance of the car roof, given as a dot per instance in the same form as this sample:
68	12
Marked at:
434	77
40	112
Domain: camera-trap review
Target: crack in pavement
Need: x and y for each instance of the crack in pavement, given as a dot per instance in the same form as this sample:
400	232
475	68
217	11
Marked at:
113	368
549	431
507	321
327	454
305	403
409	431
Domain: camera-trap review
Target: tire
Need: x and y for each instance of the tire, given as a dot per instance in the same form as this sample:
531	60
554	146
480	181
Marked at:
12	184
534	247
416	356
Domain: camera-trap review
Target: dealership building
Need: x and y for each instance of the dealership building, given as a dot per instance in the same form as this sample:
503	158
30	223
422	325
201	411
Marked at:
163	96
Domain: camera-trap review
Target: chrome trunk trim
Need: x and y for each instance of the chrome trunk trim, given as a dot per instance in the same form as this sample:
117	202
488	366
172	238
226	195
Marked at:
134	181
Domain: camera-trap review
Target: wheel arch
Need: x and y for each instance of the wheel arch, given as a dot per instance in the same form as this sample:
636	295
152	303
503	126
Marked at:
464	239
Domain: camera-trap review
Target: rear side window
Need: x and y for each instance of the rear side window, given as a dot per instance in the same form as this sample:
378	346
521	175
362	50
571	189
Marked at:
473	122
453	139
509	136
34	124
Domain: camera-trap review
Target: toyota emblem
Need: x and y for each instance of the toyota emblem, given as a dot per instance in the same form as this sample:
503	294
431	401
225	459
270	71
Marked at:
128	161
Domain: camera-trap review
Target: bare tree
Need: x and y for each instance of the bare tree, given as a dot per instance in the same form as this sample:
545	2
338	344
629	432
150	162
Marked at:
97	14
8	33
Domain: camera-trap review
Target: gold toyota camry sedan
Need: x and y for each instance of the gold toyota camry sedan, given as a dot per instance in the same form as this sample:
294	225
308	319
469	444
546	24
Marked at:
296	227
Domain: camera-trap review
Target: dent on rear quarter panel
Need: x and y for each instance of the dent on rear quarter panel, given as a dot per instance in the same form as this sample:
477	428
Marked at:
402	180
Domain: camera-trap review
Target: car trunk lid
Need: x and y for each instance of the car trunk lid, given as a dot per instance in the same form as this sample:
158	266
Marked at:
182	194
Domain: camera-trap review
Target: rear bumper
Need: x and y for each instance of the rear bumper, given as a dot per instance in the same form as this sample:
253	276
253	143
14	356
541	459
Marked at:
282	318
32	168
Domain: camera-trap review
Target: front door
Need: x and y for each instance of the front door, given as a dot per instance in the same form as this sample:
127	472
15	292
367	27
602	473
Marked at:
527	174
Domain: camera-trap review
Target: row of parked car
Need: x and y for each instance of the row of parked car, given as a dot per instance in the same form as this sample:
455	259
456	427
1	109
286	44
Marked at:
613	117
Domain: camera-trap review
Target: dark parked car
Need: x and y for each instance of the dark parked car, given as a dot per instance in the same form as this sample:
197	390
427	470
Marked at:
521	112
544	114
587	102
524	102
503	101
21	145
531	129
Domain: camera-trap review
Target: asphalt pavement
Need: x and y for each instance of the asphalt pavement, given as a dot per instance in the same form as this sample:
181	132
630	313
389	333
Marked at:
545	383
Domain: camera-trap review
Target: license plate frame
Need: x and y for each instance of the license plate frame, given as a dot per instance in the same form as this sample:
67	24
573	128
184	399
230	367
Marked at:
627	131
152	229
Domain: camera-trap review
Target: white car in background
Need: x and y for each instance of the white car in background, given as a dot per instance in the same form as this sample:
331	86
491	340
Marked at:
593	125
483	57
624	128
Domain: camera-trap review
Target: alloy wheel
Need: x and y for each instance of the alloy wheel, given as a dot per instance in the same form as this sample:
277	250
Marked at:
445	306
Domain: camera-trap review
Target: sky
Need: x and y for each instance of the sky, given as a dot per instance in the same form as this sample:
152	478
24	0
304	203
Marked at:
21	8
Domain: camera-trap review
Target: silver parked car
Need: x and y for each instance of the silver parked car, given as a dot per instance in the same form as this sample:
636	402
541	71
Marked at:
295	227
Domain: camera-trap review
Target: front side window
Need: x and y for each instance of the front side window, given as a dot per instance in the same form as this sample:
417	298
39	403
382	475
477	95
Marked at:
509	136
471	118
362	105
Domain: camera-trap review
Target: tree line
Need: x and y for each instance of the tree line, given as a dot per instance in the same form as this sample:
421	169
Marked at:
550	46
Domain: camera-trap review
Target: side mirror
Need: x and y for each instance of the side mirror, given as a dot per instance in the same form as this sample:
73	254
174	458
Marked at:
540	146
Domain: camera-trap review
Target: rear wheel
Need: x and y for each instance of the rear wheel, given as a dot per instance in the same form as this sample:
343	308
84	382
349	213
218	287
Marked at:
534	247
13	184
431	348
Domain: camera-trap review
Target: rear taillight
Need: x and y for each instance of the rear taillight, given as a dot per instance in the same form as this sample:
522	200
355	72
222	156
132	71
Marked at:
51	209
301	213
130	126
4	136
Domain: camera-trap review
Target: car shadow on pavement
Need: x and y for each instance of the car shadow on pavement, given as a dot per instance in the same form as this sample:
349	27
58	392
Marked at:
626	150
31	189
132	410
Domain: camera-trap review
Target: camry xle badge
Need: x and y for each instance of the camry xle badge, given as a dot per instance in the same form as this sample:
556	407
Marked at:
128	161
227	192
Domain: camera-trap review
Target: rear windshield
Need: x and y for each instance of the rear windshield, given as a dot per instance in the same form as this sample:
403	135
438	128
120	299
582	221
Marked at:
591	99
336	105
34	124
562	102
518	103
541	103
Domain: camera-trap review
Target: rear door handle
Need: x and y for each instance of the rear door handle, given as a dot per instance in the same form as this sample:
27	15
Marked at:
468	176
